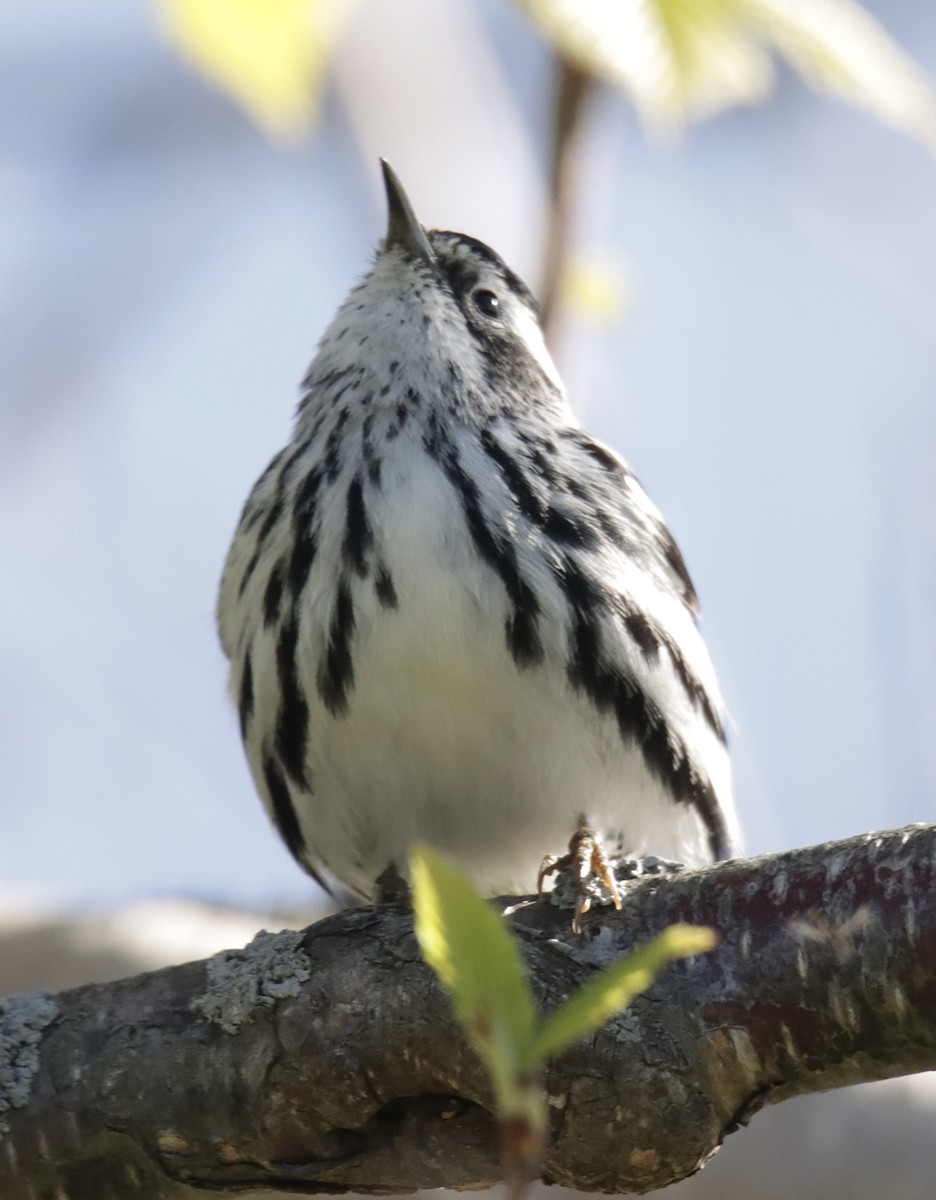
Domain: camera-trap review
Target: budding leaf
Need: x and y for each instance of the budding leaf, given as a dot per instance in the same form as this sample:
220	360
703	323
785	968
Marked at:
615	987
468	946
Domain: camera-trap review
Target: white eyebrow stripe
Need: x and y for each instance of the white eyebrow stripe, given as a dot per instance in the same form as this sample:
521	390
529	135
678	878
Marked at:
527	327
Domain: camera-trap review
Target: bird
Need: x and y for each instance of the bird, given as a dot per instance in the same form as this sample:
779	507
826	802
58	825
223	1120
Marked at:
453	616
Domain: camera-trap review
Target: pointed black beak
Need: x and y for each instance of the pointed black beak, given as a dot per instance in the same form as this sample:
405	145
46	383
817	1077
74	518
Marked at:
403	229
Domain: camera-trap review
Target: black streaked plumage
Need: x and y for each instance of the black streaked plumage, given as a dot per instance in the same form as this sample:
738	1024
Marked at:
451	613
292	721
336	672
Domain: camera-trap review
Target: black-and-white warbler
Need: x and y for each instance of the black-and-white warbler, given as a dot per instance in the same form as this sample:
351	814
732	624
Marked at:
454	616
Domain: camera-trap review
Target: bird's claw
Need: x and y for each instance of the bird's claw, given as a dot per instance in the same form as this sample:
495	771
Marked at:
585	861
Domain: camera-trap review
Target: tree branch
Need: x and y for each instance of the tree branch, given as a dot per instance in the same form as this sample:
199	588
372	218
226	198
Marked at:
574	87
329	1060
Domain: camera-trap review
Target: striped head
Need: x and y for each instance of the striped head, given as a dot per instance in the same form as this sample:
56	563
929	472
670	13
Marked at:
445	311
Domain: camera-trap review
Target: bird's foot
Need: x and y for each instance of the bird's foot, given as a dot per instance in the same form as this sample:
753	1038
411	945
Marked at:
587	876
391	888
586	870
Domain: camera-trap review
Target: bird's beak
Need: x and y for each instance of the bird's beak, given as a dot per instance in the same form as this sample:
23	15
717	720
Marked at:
403	229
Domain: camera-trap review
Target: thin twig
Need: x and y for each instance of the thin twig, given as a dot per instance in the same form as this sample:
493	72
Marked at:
574	85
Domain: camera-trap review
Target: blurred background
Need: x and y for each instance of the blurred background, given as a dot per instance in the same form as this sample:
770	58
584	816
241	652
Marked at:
748	315
756	333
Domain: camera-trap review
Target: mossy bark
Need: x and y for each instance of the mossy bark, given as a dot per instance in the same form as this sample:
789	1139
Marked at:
345	1069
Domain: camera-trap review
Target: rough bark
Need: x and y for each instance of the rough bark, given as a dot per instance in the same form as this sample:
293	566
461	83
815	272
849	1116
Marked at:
328	1060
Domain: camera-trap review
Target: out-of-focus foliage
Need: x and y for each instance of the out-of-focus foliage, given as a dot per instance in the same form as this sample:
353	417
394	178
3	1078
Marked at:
270	55
681	60
678	60
596	287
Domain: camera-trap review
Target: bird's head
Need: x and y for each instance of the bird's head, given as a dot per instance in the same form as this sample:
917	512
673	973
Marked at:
446	309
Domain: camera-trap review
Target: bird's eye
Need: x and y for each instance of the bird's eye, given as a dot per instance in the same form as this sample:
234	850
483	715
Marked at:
486	302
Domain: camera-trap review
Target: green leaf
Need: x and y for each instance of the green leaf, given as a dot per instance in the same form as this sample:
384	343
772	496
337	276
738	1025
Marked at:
682	60
467	944
838	47
594	1004
269	55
